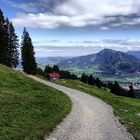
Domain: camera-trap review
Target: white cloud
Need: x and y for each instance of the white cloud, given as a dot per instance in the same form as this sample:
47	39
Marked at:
87	47
95	7
79	13
104	28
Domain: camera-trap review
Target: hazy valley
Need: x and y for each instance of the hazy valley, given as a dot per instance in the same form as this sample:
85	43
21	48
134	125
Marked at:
108	64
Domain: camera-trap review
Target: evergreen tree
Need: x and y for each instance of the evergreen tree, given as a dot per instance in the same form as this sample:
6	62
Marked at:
8	43
28	55
131	92
73	76
110	85
13	54
56	68
91	80
115	88
39	71
67	75
3	40
84	78
48	69
98	83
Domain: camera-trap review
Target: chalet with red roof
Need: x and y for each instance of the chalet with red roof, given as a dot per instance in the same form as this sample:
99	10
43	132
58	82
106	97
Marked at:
53	76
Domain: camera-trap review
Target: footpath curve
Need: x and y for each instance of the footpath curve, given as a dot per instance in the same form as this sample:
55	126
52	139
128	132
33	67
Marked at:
89	119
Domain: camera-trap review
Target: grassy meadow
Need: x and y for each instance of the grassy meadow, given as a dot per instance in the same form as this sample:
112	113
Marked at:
28	110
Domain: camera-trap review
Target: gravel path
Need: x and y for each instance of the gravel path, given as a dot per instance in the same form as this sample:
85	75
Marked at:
90	119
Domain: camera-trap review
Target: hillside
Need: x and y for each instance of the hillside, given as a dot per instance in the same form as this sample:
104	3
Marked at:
127	109
28	110
134	53
107	61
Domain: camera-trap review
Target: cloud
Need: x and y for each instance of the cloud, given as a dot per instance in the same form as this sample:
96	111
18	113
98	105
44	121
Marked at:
77	13
43	51
124	42
104	28
87	47
33	6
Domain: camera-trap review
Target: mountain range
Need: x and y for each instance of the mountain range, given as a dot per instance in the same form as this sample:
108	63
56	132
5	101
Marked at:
43	61
107	61
134	53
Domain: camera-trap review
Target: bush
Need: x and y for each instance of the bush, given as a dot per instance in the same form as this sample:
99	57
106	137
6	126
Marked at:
39	71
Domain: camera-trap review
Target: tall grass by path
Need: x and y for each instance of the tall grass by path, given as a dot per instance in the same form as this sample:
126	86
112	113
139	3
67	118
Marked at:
28	110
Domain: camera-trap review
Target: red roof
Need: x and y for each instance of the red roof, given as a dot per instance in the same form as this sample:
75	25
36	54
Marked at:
54	75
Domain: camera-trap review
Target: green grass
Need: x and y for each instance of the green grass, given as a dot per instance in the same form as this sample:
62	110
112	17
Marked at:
126	109
88	71
97	73
28	110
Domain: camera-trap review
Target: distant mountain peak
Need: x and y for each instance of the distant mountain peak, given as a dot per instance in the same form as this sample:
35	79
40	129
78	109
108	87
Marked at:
107	61
107	50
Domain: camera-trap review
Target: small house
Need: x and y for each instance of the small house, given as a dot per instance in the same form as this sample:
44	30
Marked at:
53	76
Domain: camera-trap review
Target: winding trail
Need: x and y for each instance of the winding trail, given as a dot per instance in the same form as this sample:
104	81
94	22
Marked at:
89	119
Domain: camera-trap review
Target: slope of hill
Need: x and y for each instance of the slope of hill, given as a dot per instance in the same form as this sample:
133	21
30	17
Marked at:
134	53
78	62
28	109
107	61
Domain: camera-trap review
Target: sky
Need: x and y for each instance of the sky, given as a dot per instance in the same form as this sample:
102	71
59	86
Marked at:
76	27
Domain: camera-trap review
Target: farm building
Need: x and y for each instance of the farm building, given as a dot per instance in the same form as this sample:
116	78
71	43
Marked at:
53	76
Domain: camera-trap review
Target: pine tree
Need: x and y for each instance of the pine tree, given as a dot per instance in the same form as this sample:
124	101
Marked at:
13	54
3	40
28	55
115	88
84	78
56	68
98	83
48	69
131	92
91	80
8	43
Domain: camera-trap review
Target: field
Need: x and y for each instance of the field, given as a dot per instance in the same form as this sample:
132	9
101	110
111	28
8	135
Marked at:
88	71
127	109
28	110
97	73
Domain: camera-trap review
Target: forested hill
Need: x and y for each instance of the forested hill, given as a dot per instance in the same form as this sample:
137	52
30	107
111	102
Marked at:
107	61
134	53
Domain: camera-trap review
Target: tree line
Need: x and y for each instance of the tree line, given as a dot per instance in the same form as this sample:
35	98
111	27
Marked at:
9	47
115	88
8	43
64	74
